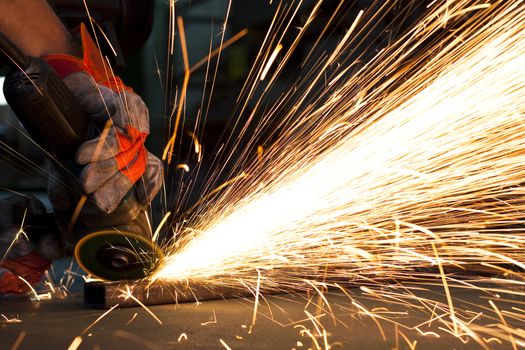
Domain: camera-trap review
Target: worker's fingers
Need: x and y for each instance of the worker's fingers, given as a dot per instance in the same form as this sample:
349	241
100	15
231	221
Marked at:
108	196
99	149
117	143
125	108
104	179
131	111
131	163
151	182
95	174
97	100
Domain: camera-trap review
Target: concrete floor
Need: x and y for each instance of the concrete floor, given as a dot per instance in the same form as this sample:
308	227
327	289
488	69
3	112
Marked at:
224	324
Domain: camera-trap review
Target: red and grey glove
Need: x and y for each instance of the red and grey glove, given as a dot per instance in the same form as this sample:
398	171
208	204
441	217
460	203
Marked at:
17	273
118	160
29	241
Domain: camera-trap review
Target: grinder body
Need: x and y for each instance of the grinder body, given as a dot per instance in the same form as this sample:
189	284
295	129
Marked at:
110	246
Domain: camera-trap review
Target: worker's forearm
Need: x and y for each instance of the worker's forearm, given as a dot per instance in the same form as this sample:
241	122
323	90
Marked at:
34	28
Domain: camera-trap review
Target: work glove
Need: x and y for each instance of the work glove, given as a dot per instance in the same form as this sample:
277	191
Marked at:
29	241
116	160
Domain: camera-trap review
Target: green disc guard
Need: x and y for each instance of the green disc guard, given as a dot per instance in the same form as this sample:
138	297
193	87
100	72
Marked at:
116	255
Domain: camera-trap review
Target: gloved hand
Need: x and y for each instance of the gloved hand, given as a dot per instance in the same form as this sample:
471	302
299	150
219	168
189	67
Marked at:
117	159
29	241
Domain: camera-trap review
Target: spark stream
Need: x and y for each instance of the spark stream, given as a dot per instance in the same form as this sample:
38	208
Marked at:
423	173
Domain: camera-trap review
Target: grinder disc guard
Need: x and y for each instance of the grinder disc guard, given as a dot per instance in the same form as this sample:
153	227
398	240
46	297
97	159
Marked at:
116	255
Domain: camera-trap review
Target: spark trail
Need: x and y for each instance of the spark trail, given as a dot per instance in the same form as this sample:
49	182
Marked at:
425	172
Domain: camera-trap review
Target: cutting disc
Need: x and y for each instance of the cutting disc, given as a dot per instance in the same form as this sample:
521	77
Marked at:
116	255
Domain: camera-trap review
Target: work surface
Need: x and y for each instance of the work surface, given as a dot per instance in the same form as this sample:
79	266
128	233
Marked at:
281	323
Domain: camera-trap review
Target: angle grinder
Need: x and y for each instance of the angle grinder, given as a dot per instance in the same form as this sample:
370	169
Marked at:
114	246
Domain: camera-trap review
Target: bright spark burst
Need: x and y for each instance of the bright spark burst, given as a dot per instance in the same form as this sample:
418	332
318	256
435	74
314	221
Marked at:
401	179
422	164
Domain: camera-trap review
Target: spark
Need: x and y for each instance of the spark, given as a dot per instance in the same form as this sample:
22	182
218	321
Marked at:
224	344
168	150
20	232
35	294
171	35
184	167
256	303
131	319
427	333
427	120
22	70
196	143
210	322
411	345
315	322
502	319
108	42
42	296
272	58
218	189
410	162
75	343
76	212
306	331
19	340
489	340
260	153
49	284
100	318
445	286
128	293
372	316
11	320
182	336
162	222
216	51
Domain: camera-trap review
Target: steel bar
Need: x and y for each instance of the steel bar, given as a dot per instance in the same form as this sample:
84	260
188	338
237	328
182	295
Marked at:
126	293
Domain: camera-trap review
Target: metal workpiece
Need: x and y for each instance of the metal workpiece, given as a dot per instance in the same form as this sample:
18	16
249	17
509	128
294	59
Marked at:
102	295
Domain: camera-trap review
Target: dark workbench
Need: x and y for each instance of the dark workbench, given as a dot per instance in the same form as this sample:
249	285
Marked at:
54	324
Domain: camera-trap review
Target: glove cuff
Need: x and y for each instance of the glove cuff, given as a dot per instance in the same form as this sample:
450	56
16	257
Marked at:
91	63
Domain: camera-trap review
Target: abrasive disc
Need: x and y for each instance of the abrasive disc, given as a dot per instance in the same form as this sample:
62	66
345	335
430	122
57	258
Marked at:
115	255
